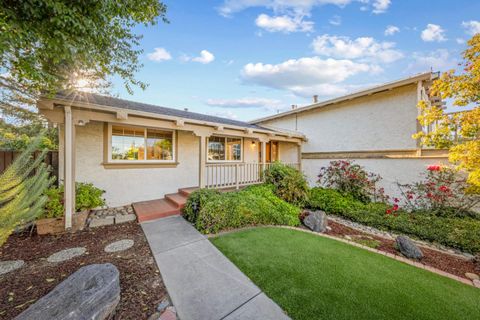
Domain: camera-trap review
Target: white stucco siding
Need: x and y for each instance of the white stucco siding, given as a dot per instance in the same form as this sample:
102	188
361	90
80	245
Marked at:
250	150
384	121
124	186
391	170
288	152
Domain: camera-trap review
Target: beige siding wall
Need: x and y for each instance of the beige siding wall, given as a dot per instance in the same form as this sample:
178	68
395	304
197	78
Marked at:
384	121
288	152
378	122
125	186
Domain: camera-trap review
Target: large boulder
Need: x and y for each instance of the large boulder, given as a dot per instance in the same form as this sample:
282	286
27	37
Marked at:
92	292
408	248
316	221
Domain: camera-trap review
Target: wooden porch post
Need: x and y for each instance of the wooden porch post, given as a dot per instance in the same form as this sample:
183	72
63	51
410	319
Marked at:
69	167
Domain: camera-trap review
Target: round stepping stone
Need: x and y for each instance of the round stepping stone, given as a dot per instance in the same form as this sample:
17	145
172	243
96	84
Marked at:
120	245
9	266
66	254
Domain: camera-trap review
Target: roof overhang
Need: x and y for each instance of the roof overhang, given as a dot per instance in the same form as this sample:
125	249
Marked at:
46	103
427	76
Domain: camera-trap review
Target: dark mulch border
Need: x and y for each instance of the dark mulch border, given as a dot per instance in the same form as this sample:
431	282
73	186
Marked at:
443	261
142	288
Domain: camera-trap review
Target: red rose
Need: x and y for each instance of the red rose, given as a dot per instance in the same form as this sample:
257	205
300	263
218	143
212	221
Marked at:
388	211
434	168
444	189
396	200
395	207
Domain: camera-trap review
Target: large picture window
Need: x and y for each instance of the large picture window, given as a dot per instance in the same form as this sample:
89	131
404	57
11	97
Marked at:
141	144
224	149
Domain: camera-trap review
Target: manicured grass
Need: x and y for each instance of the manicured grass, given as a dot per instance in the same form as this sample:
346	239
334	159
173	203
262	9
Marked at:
312	277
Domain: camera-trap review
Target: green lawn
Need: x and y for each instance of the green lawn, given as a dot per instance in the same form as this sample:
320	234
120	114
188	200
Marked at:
312	277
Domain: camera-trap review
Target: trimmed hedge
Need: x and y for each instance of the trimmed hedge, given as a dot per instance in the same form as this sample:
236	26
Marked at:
461	233
210	211
289	183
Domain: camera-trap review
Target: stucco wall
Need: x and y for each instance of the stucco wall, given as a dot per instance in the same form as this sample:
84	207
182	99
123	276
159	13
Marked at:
391	170
288	152
384	121
125	186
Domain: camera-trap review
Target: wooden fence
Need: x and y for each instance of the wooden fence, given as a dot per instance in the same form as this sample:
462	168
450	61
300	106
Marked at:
7	157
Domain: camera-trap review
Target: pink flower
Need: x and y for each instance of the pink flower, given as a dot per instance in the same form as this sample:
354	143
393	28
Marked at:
396	200
434	167
444	188
388	211
395	207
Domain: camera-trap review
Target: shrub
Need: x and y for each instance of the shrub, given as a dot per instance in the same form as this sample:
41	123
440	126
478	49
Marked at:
353	179
290	184
54	206
255	205
461	233
196	201
443	191
88	196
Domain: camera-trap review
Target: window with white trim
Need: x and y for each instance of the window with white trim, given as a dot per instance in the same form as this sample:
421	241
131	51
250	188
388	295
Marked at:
141	144
224	148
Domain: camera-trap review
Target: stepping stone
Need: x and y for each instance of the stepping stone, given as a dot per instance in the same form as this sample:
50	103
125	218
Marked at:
120	245
66	254
11	265
472	276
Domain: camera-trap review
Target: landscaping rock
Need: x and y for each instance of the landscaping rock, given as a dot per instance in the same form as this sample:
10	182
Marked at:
120	245
66	254
9	266
92	292
169	314
316	221
472	276
100	222
155	316
408	248
164	304
127	217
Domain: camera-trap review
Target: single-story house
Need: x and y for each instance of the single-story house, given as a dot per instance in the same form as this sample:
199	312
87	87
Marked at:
137	152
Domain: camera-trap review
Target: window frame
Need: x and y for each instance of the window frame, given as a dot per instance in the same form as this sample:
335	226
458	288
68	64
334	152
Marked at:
225	137
144	161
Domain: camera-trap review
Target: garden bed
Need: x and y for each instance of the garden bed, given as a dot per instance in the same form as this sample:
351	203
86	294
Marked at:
141	285
452	264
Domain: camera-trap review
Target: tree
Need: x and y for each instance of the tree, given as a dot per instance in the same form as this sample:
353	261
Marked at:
48	45
464	89
22	188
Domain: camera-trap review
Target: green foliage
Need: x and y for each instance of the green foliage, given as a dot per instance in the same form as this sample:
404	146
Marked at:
13	140
255	205
48	45
461	233
22	196
290	184
87	196
196	201
54	206
352	179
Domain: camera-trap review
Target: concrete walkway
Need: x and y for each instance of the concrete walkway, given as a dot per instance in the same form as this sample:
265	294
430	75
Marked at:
203	284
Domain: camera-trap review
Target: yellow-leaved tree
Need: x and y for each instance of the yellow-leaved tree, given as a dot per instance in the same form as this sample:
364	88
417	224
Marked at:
464	90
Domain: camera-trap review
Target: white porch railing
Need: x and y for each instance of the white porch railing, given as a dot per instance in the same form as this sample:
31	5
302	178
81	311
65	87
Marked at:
236	175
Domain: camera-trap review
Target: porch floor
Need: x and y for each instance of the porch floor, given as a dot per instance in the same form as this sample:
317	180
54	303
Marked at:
171	205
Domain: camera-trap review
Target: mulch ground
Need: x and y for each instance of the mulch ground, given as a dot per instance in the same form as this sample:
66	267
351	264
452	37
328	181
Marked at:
446	262
141	285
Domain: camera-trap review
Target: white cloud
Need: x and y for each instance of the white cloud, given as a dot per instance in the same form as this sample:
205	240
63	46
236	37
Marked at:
283	23
305	76
205	57
472	27
159	54
433	32
335	20
299	7
360	48
246	103
391	30
438	60
224	114
380	6
460	40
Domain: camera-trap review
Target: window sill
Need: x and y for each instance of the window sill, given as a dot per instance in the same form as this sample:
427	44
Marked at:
141	165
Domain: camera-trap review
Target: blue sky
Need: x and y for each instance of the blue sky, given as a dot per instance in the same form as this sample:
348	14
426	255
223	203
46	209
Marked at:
245	59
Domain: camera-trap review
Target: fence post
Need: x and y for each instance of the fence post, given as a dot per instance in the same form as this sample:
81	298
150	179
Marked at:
237	182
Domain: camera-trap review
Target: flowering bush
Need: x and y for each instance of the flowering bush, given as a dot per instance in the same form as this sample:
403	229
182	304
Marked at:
443	191
352	179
